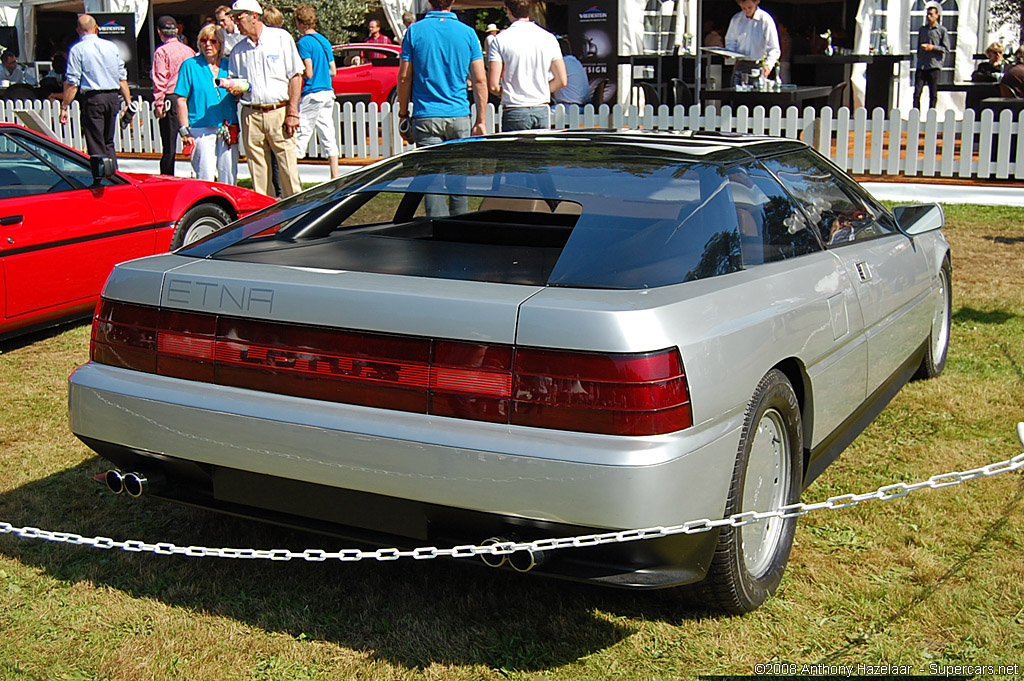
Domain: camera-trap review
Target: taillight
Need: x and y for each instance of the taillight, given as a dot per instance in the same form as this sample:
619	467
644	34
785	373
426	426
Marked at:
615	394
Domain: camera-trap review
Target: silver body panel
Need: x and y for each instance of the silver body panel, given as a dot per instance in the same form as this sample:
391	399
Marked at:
530	472
847	324
730	330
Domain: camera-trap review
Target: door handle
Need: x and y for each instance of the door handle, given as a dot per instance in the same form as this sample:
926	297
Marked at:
9	220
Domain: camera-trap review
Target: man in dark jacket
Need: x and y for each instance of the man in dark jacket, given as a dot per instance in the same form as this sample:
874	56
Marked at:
932	47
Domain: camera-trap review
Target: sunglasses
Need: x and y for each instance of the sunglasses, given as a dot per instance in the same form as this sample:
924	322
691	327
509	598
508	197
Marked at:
209	40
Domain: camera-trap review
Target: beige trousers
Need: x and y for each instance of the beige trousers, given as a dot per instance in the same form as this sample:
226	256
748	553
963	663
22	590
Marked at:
263	135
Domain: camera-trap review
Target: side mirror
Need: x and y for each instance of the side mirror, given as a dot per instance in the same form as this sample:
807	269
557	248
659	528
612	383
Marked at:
102	167
919	218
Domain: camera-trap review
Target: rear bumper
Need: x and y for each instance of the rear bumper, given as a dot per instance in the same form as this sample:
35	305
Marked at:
388	477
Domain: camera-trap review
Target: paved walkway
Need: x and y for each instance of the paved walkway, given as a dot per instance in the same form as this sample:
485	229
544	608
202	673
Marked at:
903	192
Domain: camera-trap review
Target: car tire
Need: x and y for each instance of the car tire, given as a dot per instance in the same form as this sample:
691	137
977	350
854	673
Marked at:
393	98
749	560
938	338
197	222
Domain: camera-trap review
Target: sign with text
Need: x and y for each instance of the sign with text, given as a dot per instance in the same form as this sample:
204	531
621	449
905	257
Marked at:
594	36
120	30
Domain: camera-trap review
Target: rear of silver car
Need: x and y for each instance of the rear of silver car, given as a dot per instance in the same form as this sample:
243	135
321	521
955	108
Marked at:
395	476
651	333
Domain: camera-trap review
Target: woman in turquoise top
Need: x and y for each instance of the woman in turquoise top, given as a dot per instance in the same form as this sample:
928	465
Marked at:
211	111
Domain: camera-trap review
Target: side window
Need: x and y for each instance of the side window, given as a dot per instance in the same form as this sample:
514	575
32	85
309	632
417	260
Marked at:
770	226
23	174
72	167
28	168
834	207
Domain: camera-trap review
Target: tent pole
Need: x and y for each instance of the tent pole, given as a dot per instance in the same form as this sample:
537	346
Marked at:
698	32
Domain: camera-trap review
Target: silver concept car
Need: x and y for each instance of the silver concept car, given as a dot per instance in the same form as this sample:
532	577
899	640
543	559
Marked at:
526	336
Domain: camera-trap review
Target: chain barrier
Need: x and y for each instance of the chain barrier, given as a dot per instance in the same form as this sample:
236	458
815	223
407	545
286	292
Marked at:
885	493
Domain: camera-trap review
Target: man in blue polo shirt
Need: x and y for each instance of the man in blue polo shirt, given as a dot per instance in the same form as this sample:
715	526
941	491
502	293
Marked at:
439	52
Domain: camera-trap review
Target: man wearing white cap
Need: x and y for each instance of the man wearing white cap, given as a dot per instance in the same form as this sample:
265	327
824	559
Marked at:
932	47
269	61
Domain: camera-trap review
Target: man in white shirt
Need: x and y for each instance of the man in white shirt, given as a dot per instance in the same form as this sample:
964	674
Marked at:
270	62
752	32
229	35
522	57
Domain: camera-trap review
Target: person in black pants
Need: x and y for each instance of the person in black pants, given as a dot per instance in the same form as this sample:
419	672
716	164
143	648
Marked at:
96	74
167	60
932	47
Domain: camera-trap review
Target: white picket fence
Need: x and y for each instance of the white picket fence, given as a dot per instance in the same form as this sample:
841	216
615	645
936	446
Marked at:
862	142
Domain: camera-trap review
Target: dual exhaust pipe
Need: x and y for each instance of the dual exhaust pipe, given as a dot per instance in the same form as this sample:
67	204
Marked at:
133	484
523	560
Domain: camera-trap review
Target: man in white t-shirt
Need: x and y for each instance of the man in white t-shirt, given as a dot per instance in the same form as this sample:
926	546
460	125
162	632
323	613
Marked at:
526	67
270	62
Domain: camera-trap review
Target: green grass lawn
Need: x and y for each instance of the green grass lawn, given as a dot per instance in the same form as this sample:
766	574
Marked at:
934	578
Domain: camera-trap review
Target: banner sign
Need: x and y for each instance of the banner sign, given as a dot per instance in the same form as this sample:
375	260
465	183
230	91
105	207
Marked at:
120	30
594	36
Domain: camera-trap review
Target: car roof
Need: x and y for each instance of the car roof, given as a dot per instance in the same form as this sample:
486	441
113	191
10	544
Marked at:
714	147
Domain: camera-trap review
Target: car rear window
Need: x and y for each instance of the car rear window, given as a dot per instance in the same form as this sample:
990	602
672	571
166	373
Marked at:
538	214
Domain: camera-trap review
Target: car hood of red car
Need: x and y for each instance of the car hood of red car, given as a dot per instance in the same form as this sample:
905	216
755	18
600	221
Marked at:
244	200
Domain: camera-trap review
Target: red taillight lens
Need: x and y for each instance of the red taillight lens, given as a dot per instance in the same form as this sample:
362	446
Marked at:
616	394
471	381
124	335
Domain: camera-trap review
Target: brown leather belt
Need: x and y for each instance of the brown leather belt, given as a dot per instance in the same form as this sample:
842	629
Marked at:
266	107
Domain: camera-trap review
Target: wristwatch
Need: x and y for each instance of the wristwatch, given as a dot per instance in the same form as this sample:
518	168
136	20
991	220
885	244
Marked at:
184	131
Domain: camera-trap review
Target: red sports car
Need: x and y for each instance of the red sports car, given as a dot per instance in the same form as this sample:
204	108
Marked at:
367	68
66	220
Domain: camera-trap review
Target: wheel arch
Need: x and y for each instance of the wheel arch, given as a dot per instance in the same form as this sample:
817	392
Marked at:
214	199
796	372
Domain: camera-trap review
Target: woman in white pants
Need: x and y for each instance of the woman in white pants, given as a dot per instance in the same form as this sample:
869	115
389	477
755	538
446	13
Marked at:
210	111
316	108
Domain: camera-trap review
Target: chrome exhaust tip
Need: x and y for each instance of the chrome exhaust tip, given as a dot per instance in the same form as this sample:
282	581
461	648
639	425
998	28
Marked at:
526	560
136	484
114	480
494	560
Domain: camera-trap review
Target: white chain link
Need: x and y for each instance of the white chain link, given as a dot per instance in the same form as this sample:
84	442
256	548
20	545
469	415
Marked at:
885	493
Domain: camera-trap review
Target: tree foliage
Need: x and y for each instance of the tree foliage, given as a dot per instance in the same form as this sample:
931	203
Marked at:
340	21
1009	12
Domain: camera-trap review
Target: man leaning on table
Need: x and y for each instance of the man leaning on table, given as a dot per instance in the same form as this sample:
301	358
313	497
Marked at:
752	32
13	72
270	62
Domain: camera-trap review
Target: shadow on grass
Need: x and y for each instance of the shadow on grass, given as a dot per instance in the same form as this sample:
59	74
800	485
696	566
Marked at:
24	340
409	613
991	532
1008	240
967	315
